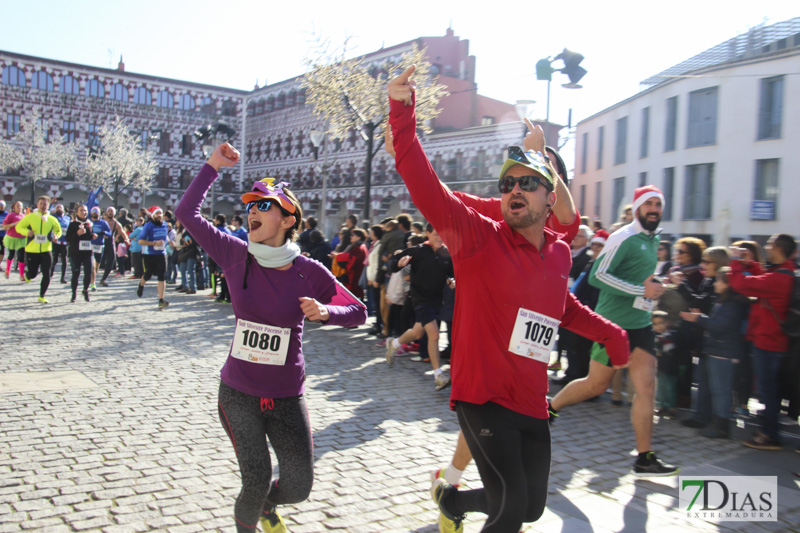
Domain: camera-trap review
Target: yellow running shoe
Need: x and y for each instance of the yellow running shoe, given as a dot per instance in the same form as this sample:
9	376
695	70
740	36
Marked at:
271	522
448	523
43	300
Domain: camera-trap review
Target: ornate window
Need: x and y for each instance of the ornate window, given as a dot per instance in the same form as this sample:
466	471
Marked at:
93	136
42	80
13	76
69	85
119	92
142	96
165	99
187	102
95	89
208	106
229	108
68	131
12	124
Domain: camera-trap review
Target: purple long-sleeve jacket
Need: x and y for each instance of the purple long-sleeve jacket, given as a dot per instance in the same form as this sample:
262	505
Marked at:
271	298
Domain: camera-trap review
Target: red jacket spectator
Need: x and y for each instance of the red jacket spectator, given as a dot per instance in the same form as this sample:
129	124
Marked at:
354	257
773	290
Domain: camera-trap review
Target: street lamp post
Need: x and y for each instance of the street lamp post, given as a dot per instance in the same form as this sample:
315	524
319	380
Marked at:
572	68
320	138
369	137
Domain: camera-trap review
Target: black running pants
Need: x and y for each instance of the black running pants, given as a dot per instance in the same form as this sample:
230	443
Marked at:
284	422
512	453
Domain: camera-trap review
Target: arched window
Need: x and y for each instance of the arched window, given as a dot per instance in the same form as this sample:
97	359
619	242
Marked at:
187	102
14	76
42	80
95	89
119	92
207	105
142	96
69	85
228	108
165	99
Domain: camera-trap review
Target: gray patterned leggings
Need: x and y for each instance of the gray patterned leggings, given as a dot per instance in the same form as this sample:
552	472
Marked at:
284	422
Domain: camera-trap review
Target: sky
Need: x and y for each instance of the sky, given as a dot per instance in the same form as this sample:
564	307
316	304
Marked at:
239	43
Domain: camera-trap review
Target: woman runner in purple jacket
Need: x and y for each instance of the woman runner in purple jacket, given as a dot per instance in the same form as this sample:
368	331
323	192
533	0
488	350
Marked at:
273	289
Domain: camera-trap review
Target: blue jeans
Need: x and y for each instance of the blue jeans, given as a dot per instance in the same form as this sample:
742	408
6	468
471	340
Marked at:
172	271
187	271
720	381
767	365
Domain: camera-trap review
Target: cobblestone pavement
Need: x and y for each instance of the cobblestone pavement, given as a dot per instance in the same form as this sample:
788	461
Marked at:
109	424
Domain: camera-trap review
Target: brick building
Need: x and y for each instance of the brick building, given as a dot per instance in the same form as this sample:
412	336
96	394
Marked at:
272	124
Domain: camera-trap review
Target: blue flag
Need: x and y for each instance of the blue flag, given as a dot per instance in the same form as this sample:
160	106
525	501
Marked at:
92	200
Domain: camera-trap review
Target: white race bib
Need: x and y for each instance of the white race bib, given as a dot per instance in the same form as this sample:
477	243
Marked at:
97	248
260	343
84	245
40	239
159	246
645	304
534	335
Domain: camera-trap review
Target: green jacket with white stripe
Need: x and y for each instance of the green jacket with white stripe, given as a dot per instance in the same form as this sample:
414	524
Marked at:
628	258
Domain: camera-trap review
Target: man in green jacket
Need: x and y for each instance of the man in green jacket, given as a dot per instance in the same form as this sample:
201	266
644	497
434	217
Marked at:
624	274
43	229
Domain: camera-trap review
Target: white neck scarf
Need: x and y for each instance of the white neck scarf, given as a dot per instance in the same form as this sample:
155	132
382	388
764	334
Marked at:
272	257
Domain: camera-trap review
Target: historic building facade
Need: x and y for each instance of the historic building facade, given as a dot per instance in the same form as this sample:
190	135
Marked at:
718	133
272	125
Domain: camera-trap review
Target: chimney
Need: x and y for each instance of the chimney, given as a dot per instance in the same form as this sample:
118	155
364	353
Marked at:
121	66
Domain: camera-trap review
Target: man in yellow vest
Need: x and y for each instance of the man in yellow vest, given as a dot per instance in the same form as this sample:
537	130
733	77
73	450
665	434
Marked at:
43	229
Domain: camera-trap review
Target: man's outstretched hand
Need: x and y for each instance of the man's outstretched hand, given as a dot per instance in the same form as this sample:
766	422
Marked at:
402	87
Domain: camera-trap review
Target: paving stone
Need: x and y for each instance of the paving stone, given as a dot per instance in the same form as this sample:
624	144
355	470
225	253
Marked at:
143	450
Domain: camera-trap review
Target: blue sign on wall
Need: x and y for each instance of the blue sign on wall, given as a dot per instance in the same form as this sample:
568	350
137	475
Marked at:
762	210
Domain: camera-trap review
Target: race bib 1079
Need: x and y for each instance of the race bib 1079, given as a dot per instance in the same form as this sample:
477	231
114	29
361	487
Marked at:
534	335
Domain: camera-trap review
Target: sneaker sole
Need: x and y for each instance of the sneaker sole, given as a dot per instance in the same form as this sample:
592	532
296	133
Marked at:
656	474
443	386
765	447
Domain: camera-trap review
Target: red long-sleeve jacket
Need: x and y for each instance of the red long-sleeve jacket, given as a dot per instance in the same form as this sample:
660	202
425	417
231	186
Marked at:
773	290
498	273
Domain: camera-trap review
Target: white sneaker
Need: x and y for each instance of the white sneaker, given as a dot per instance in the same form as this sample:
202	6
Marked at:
390	350
442	381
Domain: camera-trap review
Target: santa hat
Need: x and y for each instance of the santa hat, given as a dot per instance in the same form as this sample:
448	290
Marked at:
155	209
602	234
642	194
598	239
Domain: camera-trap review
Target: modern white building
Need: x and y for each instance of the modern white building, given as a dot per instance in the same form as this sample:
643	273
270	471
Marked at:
718	133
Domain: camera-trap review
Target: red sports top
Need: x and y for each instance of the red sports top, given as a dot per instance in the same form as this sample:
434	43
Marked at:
498	272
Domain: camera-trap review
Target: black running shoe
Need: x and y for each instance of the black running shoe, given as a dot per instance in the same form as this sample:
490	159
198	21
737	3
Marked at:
139	290
651	466
163	304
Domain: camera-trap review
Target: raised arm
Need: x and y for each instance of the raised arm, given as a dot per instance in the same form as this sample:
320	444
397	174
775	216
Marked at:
216	243
461	228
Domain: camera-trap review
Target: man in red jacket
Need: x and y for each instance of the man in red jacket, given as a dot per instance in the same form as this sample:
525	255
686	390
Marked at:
773	288
512	282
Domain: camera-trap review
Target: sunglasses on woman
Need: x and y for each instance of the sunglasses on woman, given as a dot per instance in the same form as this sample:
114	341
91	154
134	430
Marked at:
264	205
526	183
